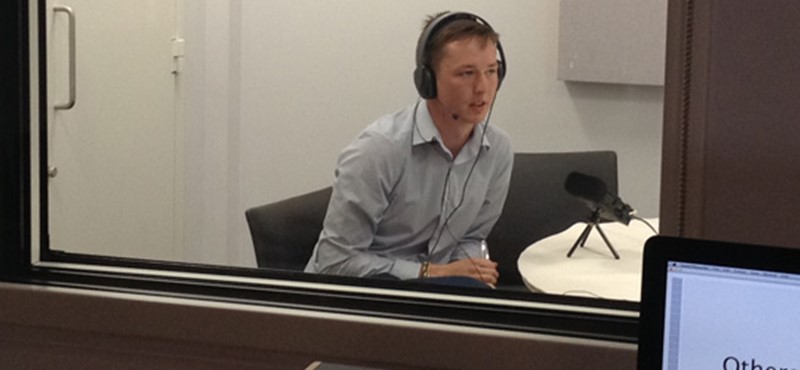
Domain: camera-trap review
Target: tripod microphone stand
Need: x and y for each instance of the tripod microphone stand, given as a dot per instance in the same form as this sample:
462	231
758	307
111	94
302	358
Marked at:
592	223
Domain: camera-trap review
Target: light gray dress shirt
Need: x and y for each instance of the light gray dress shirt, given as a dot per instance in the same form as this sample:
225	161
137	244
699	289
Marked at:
395	191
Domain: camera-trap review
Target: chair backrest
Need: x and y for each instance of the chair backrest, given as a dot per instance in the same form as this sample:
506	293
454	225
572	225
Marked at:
285	232
537	205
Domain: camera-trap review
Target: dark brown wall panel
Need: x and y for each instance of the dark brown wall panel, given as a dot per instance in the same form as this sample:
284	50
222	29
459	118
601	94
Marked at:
742	154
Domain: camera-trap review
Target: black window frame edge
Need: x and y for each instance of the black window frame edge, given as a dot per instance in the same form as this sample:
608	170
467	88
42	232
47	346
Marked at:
14	139
16	243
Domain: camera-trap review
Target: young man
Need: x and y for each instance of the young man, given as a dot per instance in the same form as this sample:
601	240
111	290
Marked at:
419	190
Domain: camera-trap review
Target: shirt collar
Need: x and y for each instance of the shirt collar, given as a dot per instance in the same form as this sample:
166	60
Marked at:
426	131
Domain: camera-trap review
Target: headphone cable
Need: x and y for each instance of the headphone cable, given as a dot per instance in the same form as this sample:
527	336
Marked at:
446	225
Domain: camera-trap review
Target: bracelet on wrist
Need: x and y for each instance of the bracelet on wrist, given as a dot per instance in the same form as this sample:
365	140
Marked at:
424	272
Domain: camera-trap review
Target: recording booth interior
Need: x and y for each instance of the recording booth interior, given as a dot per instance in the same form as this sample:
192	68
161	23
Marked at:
742	134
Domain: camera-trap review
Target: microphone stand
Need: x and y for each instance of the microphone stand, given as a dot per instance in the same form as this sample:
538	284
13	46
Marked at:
593	222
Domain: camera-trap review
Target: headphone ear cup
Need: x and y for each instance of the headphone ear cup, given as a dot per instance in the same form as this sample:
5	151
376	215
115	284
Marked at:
501	74
425	81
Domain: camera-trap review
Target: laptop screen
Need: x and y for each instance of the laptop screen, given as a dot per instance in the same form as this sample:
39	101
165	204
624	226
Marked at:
712	305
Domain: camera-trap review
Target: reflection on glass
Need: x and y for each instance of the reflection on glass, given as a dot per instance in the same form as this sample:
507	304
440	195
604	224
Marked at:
188	115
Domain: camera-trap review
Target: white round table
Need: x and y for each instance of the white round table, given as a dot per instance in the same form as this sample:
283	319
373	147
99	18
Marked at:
592	270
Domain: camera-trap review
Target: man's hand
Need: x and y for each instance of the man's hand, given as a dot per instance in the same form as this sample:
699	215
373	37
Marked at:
477	268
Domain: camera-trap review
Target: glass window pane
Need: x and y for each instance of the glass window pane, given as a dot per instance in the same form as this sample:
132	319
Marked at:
189	113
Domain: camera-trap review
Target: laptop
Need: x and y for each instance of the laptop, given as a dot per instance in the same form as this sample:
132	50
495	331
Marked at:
718	305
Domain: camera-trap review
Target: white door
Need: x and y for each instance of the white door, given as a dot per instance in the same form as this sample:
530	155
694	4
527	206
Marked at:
113	157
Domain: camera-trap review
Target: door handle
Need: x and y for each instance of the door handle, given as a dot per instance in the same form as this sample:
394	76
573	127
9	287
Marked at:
71	16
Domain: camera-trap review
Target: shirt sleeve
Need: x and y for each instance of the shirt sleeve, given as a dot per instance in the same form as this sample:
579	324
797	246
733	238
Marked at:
469	245
365	176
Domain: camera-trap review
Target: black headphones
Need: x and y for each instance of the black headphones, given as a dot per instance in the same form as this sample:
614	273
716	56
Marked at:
424	77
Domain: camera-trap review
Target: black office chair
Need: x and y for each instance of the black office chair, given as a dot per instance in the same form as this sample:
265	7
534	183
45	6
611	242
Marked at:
285	232
537	205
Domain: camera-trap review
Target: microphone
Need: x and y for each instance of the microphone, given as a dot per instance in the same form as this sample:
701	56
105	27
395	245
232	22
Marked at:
594	192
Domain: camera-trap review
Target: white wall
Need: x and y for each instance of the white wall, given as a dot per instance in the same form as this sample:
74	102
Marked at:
275	90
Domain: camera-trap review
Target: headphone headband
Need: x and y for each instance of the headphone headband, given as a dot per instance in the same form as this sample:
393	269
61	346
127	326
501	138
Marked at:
424	76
